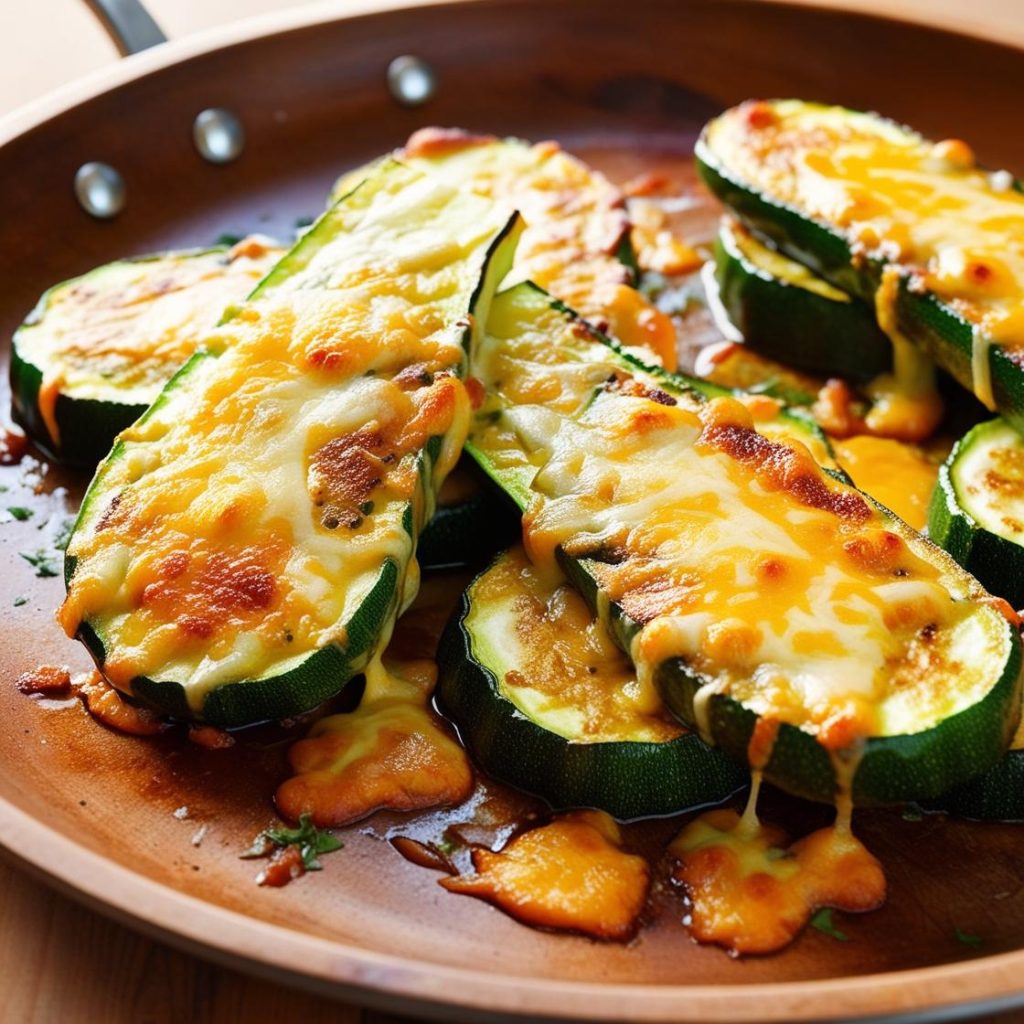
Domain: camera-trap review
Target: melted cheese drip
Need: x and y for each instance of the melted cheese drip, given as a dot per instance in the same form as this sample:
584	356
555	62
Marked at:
569	875
901	476
803	613
899	198
213	563
119	333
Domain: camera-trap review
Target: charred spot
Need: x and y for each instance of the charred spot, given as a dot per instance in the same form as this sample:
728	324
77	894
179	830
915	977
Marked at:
110	514
929	633
620	384
415	376
606	554
198	626
343	474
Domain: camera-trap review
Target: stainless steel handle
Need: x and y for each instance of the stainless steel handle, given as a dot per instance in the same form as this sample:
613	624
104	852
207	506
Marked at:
129	24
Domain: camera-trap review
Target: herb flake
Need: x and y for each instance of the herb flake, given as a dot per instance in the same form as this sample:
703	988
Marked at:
19	512
41	561
310	840
822	920
19	601
966	939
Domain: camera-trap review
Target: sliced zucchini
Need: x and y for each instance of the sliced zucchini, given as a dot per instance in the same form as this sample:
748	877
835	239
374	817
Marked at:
243	551
97	350
746	583
977	511
912	227
789	314
577	241
546	702
996	794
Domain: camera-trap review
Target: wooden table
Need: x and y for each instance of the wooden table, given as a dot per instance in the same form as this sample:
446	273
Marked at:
59	961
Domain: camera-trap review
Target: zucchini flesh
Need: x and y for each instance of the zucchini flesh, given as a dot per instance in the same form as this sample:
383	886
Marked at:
865	202
546	702
743	592
785	312
977	511
243	551
97	350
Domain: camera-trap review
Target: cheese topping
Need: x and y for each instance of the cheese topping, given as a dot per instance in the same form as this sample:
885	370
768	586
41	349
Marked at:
953	229
731	552
576	226
248	517
118	333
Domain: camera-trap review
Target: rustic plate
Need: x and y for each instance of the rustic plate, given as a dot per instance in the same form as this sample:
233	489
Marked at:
94	812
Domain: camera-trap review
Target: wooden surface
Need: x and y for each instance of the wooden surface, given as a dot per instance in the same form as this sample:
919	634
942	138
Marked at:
59	962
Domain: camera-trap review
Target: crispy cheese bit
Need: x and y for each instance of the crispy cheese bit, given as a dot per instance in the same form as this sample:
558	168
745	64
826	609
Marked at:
752	894
657	247
210	738
109	708
570	875
285	866
388	753
50	680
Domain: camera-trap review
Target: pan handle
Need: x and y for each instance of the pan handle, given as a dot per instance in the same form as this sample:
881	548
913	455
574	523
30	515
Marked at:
128	23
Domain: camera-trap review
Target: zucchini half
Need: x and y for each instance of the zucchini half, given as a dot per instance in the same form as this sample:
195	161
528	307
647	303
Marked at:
97	350
545	702
855	197
745	582
785	312
977	510
245	548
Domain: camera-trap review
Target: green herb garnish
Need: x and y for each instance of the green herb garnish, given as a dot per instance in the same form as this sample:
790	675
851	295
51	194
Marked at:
966	939
19	601
302	222
822	920
310	840
227	239
41	561
63	534
19	512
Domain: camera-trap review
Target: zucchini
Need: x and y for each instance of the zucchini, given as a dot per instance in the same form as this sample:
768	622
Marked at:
977	511
995	795
746	583
243	551
912	227
783	311
96	350
545	702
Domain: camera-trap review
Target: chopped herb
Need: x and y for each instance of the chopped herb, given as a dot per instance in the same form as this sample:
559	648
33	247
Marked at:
19	601
965	939
41	561
20	512
449	842
822	920
302	222
366	508
912	813
227	239
310	840
4	488
63	534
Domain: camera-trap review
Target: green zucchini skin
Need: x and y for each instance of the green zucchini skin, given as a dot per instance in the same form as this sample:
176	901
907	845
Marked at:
891	769
995	795
781	318
303	684
629	780
933	325
995	561
467	534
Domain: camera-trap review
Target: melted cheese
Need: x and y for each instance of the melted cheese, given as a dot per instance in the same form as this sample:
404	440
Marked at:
118	333
576	223
771	581
570	875
958	231
243	522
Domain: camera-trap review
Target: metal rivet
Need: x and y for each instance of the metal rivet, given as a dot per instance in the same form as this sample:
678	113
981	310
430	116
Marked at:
218	135
411	81
100	189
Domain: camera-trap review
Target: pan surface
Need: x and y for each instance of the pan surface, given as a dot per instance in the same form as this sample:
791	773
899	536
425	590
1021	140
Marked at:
95	812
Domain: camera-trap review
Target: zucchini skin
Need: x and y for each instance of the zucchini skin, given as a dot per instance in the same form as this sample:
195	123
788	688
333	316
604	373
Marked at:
921	316
996	562
466	535
628	780
995	795
790	323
